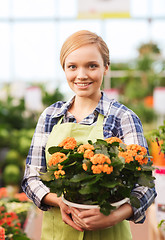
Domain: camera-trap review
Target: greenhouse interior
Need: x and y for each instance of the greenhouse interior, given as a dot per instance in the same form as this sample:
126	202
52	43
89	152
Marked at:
32	34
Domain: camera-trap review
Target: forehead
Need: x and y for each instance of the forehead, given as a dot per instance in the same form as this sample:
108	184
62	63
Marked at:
88	52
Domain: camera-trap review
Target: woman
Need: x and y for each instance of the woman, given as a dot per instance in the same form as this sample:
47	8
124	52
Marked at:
88	115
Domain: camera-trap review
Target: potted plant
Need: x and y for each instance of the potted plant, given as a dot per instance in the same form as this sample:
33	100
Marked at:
99	173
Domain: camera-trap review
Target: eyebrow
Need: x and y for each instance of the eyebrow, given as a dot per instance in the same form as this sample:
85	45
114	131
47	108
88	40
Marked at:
94	61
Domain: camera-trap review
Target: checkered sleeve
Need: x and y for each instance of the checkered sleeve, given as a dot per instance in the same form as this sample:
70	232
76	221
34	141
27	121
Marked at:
132	132
35	163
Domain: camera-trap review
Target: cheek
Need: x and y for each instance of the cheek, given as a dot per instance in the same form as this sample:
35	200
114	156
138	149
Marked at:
98	76
69	76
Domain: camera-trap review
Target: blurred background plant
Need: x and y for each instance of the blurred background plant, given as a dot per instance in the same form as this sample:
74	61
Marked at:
17	124
139	78
14	211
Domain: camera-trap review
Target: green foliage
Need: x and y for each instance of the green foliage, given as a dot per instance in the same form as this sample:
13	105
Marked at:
13	115
145	63
16	130
159	135
50	98
85	186
11	174
140	78
134	90
149	48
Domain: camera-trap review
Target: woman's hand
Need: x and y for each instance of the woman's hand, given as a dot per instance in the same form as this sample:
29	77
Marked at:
51	199
93	219
66	216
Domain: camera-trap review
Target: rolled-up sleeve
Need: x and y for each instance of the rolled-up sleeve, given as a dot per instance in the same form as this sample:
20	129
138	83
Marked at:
36	163
132	133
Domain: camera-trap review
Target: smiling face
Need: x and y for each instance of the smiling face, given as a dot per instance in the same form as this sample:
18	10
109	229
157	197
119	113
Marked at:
84	69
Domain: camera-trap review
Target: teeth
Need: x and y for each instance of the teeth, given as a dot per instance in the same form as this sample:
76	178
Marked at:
82	84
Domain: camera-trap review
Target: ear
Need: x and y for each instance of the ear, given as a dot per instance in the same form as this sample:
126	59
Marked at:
106	69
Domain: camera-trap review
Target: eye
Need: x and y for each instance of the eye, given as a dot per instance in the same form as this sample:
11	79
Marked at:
72	67
93	66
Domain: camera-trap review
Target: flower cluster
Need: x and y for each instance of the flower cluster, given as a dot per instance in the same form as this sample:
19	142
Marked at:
2	233
97	173
9	222
13	213
68	143
135	152
100	163
9	218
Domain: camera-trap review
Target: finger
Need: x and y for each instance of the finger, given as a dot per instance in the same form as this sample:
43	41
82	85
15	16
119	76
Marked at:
82	225
69	221
80	222
88	213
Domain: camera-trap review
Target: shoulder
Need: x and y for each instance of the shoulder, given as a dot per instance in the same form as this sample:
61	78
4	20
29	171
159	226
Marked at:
53	109
120	111
49	117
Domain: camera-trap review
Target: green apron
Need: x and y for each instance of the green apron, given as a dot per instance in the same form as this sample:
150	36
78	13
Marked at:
53	228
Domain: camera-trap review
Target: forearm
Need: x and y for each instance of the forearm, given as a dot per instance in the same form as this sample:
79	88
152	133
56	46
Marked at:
122	213
51	199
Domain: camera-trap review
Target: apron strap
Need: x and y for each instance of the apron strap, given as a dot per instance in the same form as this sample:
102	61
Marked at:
100	120
59	122
98	123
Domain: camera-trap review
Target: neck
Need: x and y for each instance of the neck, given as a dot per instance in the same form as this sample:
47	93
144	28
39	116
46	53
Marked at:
82	107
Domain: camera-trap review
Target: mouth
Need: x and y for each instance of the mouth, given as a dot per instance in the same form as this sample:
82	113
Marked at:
83	85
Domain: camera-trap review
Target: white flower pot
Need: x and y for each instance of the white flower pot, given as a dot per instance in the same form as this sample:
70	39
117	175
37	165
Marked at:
84	206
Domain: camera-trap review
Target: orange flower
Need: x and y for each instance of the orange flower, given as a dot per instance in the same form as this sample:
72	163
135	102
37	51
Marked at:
113	139
60	167
68	143
57	158
88	153
21	197
100	164
107	169
100	159
84	147
84	166
96	169
127	155
145	160
143	151
3	192
135	152
139	168
59	173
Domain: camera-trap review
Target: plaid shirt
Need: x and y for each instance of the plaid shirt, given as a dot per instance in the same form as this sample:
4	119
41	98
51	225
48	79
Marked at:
118	121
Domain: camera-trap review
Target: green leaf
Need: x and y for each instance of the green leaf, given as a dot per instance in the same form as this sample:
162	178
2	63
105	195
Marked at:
20	237
110	184
106	208
147	168
115	144
48	176
90	142
161	223
95	180
146	180
54	149
88	189
135	202
123	146
76	156
80	177
101	142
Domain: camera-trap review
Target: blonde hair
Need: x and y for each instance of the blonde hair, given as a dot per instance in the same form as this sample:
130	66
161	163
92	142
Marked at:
81	38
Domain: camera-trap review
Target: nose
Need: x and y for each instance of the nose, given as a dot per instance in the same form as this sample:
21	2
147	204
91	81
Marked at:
81	75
